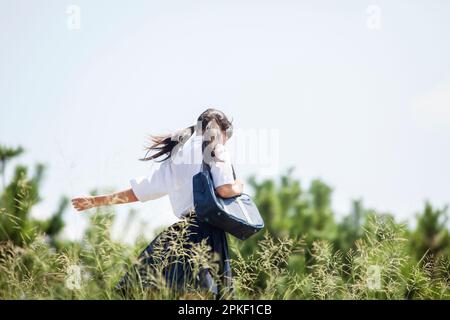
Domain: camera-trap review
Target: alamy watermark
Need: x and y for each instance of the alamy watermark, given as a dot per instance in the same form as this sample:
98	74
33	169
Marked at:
73	20
74	277
373	17
256	147
373	281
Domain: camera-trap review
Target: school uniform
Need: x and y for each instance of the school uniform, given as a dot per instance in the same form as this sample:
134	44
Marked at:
173	177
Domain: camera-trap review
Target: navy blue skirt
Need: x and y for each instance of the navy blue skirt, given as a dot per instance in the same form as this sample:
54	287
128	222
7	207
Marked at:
188	256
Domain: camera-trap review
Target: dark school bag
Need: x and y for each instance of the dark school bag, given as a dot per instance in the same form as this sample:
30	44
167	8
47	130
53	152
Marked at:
238	215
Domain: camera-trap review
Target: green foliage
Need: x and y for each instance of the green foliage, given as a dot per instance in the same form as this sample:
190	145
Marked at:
36	271
303	253
18	198
431	236
6	154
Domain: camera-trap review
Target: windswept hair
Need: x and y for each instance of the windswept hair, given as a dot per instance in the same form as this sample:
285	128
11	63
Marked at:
161	146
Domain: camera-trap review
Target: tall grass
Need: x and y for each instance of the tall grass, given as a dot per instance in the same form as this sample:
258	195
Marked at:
378	267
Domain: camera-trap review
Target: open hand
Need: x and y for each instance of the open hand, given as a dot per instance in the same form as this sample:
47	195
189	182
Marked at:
83	203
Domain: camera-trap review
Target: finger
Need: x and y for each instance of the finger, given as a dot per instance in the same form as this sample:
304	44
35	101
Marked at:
75	203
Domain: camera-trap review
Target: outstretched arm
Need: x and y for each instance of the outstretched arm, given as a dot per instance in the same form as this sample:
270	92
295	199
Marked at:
84	203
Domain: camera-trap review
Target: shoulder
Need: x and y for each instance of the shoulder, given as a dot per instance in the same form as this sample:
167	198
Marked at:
221	153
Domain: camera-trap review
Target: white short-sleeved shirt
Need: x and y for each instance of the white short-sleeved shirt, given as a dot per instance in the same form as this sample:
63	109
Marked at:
173	177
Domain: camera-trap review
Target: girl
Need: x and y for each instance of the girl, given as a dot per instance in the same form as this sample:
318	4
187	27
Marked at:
181	155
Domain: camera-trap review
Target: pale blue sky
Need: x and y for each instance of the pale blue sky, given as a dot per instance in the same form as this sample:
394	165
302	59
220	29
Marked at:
366	110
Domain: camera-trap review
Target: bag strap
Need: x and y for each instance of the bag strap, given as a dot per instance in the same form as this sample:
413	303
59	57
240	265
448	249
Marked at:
206	167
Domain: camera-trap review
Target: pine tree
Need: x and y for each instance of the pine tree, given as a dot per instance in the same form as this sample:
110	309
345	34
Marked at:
17	200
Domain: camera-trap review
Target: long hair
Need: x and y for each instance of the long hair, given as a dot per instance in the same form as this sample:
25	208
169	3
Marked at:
161	146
